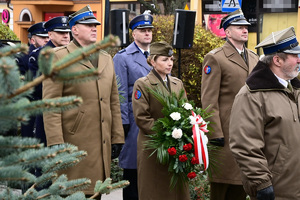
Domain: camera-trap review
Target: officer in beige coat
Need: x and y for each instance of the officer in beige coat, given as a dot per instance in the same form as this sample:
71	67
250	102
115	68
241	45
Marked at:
96	125
153	178
224	73
264	123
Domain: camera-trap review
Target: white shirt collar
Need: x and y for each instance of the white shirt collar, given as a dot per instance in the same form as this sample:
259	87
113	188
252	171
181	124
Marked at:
282	81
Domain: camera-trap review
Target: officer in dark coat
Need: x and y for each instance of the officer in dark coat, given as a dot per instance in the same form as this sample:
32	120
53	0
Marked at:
130	65
59	35
37	37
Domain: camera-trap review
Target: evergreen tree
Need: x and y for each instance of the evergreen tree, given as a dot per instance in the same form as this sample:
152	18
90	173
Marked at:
20	155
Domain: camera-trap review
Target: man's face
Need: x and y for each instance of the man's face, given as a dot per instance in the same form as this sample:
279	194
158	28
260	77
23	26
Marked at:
290	66
38	41
85	34
142	36
59	38
237	33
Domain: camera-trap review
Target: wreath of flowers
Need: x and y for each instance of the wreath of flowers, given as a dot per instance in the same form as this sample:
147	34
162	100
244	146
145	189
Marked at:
175	141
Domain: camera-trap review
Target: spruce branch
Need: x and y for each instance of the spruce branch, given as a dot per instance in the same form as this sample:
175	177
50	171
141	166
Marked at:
66	62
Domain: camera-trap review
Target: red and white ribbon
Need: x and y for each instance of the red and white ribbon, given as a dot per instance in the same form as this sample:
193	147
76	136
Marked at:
199	140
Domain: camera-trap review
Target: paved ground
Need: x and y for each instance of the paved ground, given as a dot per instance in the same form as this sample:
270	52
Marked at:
115	195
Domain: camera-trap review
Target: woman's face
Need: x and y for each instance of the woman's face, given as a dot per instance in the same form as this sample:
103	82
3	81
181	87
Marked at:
163	65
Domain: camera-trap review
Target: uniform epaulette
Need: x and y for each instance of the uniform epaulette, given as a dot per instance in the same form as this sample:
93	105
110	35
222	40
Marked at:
253	52
55	49
214	51
122	50
37	49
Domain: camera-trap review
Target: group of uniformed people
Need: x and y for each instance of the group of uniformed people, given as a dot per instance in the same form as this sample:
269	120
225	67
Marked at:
253	153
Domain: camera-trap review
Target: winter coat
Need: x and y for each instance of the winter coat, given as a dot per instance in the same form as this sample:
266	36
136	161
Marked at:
224	73
153	178
94	125
130	65
264	134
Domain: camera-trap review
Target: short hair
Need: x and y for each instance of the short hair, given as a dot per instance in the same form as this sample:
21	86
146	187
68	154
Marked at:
268	59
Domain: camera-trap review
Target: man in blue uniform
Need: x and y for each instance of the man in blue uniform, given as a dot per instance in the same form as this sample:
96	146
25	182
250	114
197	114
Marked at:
37	37
131	64
59	35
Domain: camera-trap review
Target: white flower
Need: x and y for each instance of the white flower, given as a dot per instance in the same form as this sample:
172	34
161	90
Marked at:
177	133
175	116
187	106
192	120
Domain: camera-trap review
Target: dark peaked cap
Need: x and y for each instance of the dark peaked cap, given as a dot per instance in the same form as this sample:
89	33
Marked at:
38	29
281	41
58	24
83	16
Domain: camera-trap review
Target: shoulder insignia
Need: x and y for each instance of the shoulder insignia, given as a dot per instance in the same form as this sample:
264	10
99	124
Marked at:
207	69
252	52
214	51
137	94
36	50
32	59
122	50
55	49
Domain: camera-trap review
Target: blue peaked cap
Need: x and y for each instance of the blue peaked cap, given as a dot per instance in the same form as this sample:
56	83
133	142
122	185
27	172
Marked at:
141	21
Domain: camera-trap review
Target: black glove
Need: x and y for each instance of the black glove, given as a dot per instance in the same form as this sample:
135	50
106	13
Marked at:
266	194
115	150
126	129
217	142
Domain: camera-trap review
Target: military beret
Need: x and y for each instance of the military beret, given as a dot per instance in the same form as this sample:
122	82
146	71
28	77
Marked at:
38	29
141	21
161	48
83	16
281	41
234	18
58	24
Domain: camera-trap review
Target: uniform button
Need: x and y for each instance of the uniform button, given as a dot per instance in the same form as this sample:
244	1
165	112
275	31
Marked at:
100	99
102	120
104	142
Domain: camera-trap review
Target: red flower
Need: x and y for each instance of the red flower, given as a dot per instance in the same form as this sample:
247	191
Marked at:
194	161
187	147
191	175
172	151
183	158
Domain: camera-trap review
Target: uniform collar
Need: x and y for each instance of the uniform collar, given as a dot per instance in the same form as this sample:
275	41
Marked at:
262	78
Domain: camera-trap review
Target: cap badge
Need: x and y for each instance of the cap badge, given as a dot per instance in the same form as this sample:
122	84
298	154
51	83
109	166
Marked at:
207	69
137	94
146	17
170	53
63	20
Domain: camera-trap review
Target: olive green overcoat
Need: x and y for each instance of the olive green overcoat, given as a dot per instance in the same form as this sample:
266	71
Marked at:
224	73
153	178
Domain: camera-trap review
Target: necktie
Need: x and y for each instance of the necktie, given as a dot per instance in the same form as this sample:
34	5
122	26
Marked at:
243	56
290	87
146	53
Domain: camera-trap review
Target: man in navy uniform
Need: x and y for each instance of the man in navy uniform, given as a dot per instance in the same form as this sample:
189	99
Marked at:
59	35
131	64
37	37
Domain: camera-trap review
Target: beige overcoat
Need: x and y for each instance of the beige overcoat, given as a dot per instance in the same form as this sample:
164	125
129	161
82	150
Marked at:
93	126
224	73
264	134
153	178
